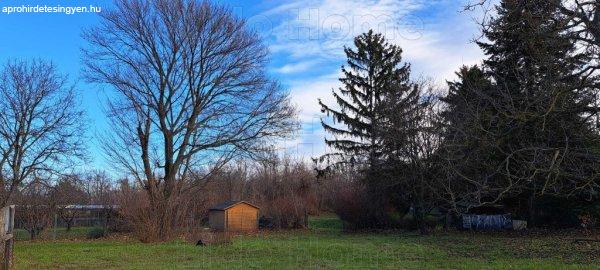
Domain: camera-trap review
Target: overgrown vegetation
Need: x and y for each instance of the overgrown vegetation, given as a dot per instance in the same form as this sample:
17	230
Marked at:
45	203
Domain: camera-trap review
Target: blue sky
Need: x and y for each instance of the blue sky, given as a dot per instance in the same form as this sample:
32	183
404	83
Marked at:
305	38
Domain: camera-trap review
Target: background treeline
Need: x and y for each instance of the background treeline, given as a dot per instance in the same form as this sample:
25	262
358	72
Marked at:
47	202
287	191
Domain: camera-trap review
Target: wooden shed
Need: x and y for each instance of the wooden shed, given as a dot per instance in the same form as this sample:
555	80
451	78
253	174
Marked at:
234	216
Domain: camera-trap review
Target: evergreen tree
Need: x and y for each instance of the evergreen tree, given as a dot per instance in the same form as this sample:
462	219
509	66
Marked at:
375	75
376	89
469	149
411	142
469	97
534	132
546	103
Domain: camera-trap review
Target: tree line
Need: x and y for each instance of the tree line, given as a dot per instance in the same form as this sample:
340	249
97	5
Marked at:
519	130
44	203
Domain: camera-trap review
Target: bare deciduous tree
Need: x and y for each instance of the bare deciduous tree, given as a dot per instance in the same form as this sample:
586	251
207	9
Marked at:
40	126
35	207
191	90
100	189
67	192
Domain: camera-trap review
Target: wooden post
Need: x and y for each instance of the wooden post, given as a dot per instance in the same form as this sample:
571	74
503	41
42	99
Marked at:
8	254
8	216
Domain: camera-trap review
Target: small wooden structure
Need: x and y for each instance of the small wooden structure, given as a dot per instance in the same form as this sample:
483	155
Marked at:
234	216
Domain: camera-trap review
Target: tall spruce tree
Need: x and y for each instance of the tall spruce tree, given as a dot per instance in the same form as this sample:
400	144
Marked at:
376	89
547	104
375	75
411	140
540	139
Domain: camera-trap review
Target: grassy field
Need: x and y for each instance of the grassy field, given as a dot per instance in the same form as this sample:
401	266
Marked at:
60	233
322	247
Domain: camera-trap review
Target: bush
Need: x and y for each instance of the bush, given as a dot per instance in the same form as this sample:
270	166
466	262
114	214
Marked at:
96	233
349	206
361	211
559	212
286	213
285	191
409	223
265	222
143	219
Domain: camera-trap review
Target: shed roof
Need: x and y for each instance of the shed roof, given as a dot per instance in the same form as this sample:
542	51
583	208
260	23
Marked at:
90	206
228	204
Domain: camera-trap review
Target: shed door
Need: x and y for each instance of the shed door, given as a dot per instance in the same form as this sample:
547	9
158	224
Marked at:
241	218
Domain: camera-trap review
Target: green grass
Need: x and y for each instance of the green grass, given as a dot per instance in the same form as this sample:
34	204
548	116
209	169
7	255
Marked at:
49	234
325	224
322	247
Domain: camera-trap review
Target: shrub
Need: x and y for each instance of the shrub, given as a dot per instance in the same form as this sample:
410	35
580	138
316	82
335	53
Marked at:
409	223
286	212
96	233
349	206
135	209
359	210
143	219
557	212
285	191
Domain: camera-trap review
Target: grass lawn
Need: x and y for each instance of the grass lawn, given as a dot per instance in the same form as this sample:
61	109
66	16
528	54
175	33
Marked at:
322	247
60	233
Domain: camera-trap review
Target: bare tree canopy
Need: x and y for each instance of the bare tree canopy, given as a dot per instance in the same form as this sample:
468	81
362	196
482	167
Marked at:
69	190
35	207
40	125
191	89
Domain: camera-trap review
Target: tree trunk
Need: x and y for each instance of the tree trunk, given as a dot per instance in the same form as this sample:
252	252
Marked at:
419	216
448	221
531	210
32	234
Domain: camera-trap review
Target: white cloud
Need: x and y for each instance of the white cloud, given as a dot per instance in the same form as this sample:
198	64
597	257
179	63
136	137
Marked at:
306	93
322	28
319	29
435	44
296	67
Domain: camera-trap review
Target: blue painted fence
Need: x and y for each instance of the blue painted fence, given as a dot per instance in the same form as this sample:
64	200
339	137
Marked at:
487	222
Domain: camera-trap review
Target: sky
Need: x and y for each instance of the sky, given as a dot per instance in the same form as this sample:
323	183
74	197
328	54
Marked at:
305	38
